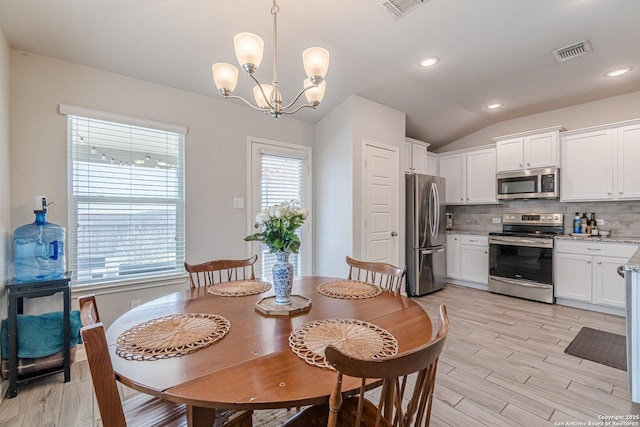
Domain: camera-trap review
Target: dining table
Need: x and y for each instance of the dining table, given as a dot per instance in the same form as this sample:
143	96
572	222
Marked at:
253	366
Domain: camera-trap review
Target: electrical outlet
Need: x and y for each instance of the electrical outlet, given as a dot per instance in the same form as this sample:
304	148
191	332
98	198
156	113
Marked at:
238	202
600	221
497	220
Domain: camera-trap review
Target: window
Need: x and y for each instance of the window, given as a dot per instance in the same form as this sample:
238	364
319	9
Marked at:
281	172
126	198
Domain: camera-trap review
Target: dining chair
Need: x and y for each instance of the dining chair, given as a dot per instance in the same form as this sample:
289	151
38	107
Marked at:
88	310
218	271
141	409
398	405
382	274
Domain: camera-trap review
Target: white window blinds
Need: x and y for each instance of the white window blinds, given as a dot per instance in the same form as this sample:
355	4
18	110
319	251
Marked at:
126	201
281	179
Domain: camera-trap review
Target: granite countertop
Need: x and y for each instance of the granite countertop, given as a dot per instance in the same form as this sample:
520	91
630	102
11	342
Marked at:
476	232
609	239
634	263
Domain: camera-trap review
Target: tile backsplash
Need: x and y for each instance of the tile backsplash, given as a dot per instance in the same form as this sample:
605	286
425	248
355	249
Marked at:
623	218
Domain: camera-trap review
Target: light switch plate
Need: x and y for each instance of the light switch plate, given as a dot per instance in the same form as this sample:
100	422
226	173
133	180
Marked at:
238	202
496	220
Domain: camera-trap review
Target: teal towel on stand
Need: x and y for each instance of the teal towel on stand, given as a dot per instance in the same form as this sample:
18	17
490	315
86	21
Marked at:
41	335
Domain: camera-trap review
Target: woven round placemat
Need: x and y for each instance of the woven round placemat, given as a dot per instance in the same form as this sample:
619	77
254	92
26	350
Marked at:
239	288
349	289
171	336
355	338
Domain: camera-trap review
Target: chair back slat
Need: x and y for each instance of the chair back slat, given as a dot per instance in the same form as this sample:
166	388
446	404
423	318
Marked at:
88	310
220	271
394	371
103	376
381	274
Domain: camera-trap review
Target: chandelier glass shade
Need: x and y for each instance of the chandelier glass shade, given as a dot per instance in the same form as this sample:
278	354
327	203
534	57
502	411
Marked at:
249	49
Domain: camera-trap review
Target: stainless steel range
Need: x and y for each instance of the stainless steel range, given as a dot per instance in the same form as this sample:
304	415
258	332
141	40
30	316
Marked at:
521	256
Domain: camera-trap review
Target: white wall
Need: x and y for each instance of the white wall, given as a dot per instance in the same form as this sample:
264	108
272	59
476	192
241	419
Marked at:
5	193
338	172
333	178
608	110
216	147
381	124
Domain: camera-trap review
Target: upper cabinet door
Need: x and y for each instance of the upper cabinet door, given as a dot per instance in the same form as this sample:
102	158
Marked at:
481	176
453	170
541	151
528	150
587	166
432	165
415	160
510	154
419	158
629	162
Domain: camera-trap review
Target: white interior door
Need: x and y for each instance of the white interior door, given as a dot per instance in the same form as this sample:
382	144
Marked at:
381	203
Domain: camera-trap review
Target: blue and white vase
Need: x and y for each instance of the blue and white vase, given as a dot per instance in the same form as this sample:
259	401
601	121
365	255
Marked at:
282	278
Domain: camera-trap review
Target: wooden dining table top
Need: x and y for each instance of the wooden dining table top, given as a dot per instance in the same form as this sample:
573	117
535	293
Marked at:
252	366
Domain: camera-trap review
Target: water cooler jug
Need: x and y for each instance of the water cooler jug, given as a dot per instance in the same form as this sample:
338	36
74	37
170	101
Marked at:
38	248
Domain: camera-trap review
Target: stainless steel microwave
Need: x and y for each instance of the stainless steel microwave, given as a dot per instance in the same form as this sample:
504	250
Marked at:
529	184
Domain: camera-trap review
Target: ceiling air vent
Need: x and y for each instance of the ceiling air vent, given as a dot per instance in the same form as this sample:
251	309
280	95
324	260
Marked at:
573	51
398	8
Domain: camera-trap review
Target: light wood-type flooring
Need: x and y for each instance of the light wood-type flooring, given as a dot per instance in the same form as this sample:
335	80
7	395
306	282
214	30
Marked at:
503	365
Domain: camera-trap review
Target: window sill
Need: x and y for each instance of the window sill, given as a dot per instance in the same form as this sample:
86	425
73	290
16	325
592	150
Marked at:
130	285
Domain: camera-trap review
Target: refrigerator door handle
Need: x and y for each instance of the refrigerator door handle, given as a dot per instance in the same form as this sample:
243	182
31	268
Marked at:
432	251
432	210
437	210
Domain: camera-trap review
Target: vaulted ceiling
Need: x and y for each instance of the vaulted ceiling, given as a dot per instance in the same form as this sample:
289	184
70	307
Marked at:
489	50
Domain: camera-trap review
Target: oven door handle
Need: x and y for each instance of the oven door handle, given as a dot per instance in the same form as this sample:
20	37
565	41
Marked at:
521	283
521	242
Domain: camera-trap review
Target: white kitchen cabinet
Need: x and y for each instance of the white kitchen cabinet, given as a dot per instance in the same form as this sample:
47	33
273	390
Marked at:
415	156
468	258
474	258
528	150
481	176
432	164
453	256
587	271
628	182
470	176
453	168
573	277
587	166
608	286
601	163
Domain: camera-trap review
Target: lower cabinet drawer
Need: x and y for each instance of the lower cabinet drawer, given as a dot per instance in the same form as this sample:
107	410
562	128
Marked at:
474	240
595	248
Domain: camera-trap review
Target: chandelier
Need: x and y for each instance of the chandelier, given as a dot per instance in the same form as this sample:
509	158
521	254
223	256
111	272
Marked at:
249	49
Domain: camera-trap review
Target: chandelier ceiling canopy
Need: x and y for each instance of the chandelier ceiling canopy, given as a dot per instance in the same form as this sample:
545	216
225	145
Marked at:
249	49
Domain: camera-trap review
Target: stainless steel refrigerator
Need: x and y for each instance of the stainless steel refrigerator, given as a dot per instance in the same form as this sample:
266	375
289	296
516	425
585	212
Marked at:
425	234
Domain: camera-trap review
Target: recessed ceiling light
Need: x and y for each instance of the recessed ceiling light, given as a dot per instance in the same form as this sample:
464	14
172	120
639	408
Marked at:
619	72
428	62
495	105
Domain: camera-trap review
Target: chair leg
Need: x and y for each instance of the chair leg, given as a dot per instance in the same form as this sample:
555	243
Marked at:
241	419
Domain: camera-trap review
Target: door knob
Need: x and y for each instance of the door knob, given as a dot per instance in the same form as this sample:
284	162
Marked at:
394	233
